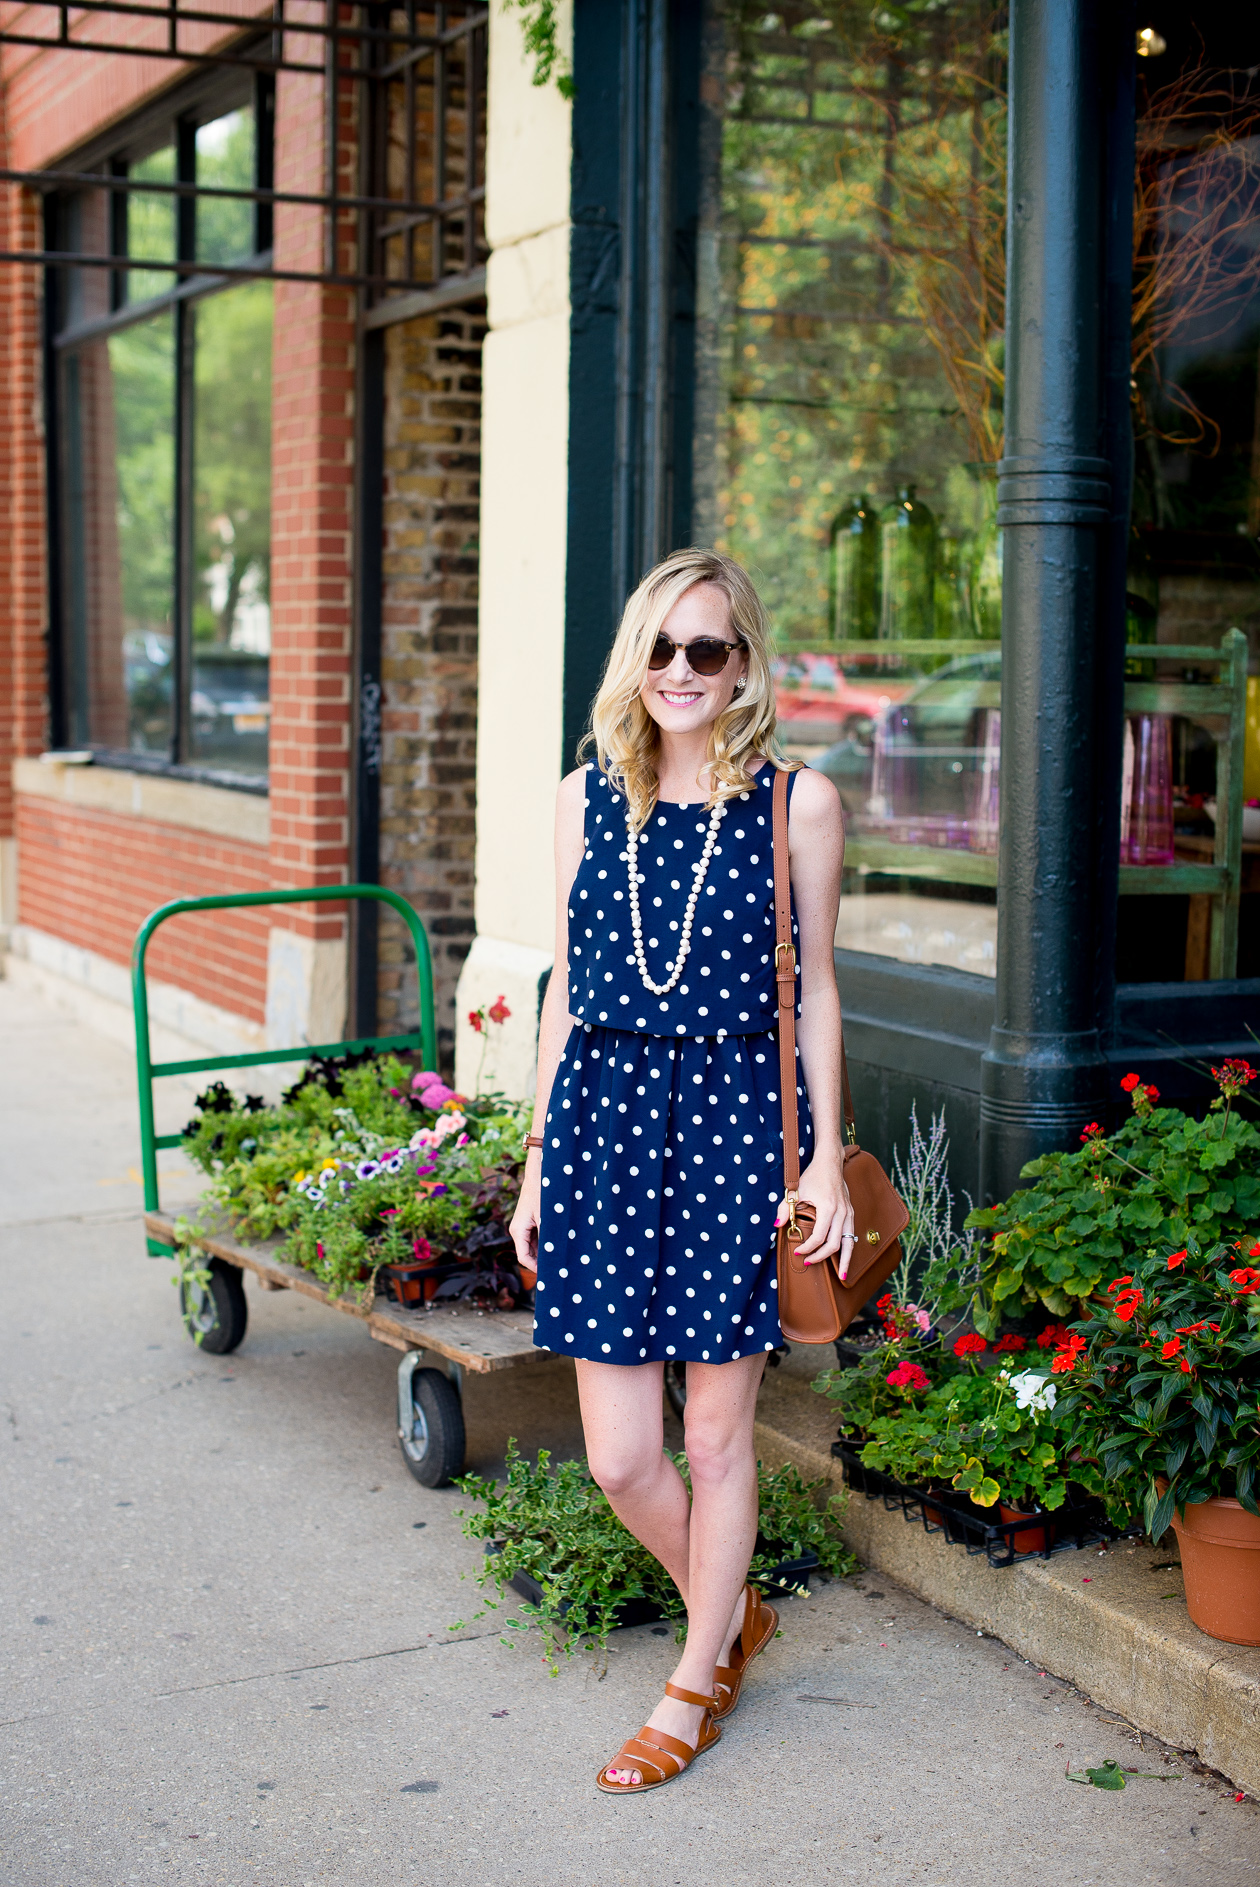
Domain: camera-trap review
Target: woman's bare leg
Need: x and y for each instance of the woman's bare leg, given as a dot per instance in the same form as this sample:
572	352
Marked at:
705	1550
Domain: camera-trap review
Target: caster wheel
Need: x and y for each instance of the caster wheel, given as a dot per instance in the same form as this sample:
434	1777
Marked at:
215	1313
676	1387
433	1444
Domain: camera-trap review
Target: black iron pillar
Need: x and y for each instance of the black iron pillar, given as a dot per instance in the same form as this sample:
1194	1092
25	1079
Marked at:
1043	1076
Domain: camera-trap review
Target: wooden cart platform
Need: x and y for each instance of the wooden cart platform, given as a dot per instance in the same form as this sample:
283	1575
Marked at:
430	1417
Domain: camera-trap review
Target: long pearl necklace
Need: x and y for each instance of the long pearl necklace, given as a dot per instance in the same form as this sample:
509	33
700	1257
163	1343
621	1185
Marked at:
699	873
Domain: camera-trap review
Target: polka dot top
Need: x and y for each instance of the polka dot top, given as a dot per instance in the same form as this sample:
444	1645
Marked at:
727	985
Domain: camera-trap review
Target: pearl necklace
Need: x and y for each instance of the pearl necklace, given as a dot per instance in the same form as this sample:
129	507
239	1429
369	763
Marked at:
699	873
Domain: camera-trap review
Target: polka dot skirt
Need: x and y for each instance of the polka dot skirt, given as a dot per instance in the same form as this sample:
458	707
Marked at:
661	1175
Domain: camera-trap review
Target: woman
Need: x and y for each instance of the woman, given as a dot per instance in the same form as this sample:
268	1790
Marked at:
656	1166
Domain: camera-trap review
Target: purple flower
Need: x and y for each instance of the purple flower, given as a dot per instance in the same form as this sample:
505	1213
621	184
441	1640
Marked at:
367	1169
427	1078
437	1095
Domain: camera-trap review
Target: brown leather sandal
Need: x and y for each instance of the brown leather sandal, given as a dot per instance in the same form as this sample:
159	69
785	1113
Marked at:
761	1622
666	1756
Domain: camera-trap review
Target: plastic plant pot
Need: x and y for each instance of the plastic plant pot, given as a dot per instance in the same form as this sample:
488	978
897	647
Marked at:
1220	1558
1028	1539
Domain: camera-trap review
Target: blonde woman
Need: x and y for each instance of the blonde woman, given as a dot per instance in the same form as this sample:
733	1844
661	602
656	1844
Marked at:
655	1167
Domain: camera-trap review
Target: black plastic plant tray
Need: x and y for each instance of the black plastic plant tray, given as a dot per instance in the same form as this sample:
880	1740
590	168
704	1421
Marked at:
1076	1524
782	1581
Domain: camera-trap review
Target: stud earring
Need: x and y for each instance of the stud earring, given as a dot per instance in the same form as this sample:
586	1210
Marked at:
740	685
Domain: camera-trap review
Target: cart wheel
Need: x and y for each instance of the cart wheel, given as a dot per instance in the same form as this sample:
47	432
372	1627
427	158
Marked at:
433	1447
676	1387
215	1313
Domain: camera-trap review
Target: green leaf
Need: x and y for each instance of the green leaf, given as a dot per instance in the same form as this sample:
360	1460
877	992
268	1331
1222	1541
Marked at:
1157	1511
1108	1775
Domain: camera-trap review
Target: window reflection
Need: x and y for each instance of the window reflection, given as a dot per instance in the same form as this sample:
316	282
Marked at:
232	530
850	399
119	457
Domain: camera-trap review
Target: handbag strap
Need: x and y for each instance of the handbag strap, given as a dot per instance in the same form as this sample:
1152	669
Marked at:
785	985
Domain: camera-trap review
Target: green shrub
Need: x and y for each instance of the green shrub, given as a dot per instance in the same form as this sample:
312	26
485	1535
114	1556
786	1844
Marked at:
1097	1211
556	1525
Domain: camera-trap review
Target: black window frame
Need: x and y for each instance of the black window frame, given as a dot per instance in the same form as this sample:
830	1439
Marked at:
173	121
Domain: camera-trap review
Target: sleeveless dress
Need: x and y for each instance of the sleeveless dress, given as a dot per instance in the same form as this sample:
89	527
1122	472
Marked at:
662	1164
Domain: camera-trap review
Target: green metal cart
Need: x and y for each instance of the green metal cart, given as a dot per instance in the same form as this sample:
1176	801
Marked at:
430	1420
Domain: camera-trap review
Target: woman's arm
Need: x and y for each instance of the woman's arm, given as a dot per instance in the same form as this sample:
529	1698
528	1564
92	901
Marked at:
816	853
555	1023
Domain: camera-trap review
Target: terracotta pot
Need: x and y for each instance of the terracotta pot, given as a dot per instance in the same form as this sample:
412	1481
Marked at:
1220	1557
1028	1539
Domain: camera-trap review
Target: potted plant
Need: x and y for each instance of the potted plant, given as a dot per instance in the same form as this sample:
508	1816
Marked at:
1094	1212
1162	1412
987	1433
551	1535
374	1176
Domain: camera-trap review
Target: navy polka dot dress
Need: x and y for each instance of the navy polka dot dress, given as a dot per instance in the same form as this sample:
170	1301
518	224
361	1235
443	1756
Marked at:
662	1165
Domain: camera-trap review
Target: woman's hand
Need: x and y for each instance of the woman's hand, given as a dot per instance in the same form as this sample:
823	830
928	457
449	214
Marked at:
524	1226
822	1186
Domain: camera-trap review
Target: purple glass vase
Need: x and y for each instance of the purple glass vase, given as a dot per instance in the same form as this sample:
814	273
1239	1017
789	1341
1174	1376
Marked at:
1146	799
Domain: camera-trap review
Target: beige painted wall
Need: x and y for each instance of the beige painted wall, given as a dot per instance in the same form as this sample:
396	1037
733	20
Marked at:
524	504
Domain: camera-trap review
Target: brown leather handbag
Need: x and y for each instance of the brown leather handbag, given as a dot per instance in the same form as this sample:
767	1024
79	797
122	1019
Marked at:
814	1306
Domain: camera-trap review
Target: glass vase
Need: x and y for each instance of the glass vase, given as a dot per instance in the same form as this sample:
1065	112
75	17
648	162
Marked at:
907	532
1146	799
855	572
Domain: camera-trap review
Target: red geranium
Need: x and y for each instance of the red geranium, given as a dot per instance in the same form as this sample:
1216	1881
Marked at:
1009	1342
499	1011
907	1376
1052	1336
1152	1094
1130	1082
1171	1348
970	1345
1177	1258
1247	1278
1092	1132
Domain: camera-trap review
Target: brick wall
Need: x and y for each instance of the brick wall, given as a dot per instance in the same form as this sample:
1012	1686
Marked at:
23	581
312	517
92	878
429	656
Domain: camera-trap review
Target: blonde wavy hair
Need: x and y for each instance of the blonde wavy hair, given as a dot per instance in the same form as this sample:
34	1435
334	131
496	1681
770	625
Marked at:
623	734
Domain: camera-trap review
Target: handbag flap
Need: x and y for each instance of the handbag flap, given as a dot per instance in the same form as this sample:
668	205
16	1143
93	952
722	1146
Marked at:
877	1210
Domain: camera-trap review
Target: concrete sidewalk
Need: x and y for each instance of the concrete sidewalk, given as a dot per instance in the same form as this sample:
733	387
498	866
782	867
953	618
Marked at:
226	1612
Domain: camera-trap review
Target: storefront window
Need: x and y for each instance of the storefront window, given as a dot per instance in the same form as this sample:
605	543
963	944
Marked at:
850	412
1194	565
164	444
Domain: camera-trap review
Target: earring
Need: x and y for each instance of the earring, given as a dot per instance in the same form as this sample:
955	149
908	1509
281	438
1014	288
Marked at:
740	684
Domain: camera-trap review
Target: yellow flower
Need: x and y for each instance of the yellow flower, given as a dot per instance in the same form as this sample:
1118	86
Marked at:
328	1166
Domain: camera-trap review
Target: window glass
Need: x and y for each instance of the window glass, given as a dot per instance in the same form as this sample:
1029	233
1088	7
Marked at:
225	157
119	490
231	627
151	225
1194	562
850	403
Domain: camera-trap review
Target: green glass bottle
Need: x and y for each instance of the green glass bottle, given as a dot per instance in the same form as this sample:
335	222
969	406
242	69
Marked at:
855	571
907	533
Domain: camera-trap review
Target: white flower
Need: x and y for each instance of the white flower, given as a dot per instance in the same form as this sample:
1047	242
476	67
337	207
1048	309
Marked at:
1034	1392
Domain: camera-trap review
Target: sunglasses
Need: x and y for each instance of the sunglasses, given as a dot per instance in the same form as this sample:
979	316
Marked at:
707	655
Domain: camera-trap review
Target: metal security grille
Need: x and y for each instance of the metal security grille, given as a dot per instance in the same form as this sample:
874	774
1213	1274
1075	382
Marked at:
404	135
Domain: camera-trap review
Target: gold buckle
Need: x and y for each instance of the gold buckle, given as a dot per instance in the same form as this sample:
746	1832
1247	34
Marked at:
791	950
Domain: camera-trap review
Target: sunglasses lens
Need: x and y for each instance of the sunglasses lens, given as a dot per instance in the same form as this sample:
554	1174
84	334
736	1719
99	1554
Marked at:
662	653
707	656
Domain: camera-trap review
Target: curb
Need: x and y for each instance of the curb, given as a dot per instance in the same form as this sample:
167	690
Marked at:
1113	1622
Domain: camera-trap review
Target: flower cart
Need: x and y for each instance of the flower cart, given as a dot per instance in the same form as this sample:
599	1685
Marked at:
458	1337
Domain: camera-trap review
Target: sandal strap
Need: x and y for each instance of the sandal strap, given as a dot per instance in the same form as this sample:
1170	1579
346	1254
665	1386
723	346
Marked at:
668	1745
636	1754
690	1696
